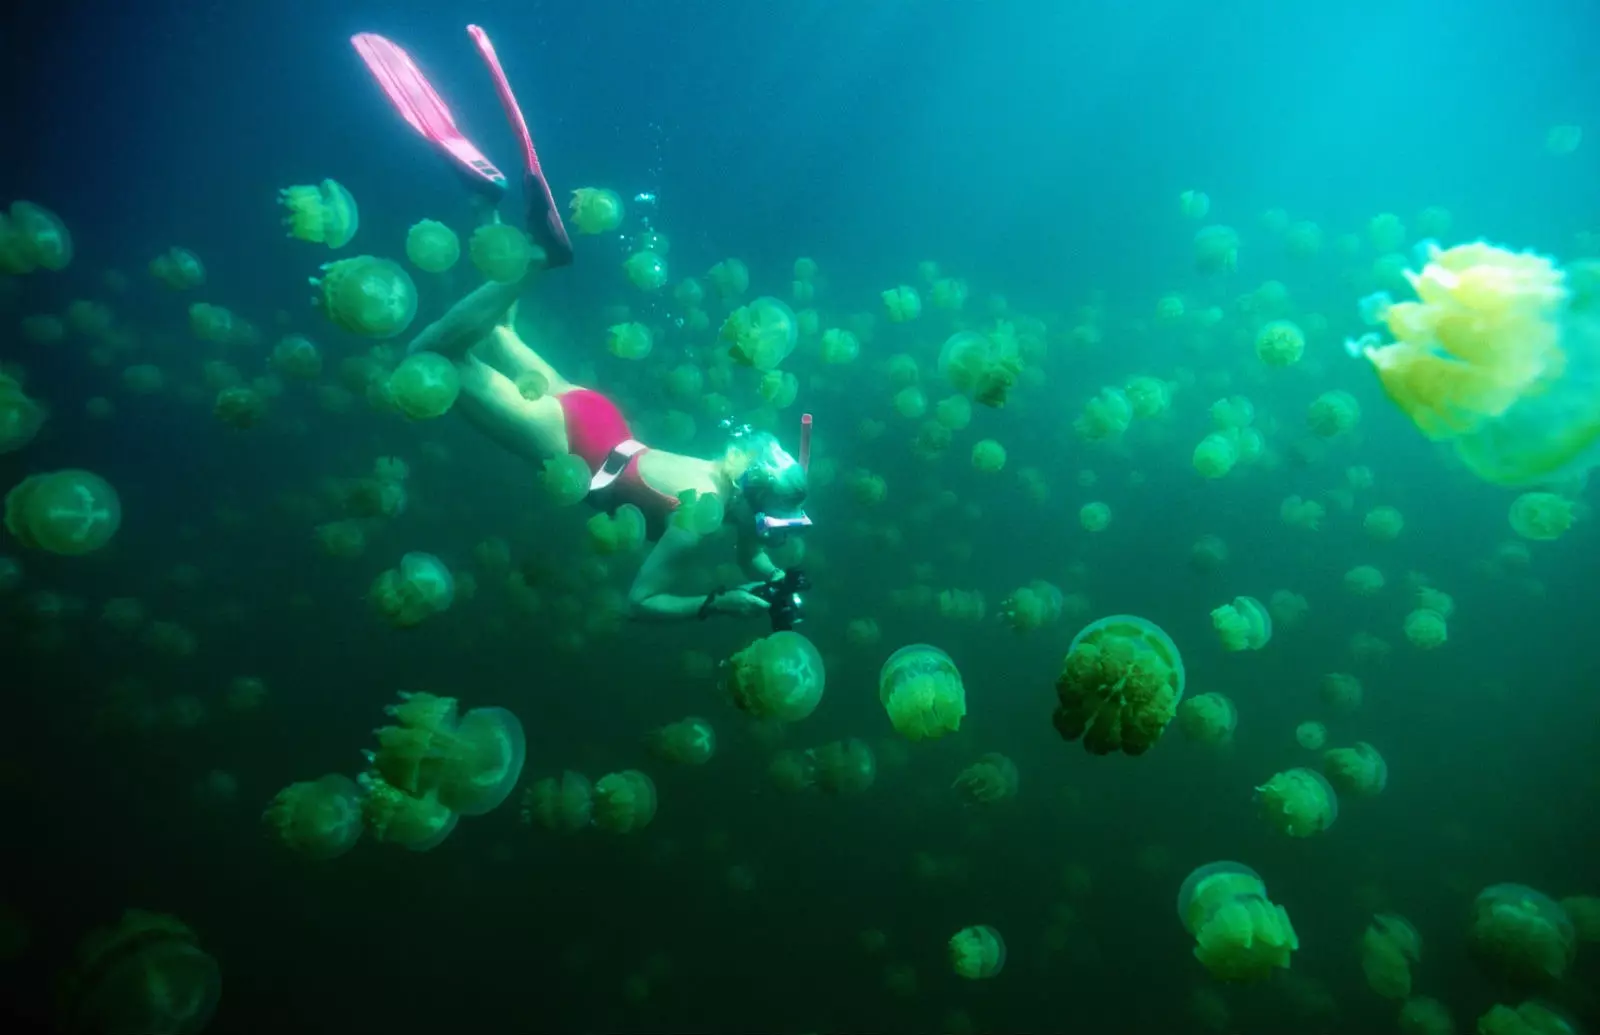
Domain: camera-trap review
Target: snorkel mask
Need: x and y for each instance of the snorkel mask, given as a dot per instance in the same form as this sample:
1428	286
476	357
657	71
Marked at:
770	526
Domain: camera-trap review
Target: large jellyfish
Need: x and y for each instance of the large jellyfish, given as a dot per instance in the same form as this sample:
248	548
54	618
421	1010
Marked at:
1521	934
67	512
1240	934
471	763
1119	686
1499	357
146	974
780	676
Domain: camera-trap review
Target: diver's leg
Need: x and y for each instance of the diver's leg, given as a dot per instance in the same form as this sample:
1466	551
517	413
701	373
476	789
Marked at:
469	321
533	430
505	350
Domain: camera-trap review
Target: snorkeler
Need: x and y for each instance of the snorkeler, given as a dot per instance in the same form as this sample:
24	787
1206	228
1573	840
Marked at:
762	486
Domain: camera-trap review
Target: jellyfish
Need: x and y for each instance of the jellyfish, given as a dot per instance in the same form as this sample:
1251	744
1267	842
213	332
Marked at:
1359	770
1341	692
1120	685
977	952
1280	344
1216	454
20	416
1332	414
1388	948
420	587
624	802
1521	934
595	210
566	478
1311	735
67	512
1208	718
1499	357
689	741
620	532
324	213
992	778
471	763
33	237
1424	1016
502	252
317	819
761	334
1094	516
1244	624
1216	250
844	766
921	689
629	340
1032	606
1106	416
148	973
416	823
1426	628
647	270
432	247
1529	1018
982	366
1540	516
1240	934
903	304
297	356
367	296
1300	802
988	456
563	803
179	269
425	385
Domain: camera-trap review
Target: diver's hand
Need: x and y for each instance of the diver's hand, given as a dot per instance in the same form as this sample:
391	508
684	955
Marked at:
739	602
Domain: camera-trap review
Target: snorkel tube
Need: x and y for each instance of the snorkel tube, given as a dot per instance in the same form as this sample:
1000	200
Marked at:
805	442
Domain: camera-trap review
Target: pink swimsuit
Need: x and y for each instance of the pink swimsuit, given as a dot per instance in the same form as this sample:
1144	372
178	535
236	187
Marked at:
596	431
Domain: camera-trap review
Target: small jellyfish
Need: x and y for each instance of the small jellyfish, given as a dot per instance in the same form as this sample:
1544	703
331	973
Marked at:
624	802
1208	718
1360	771
977	952
564	803
318	819
1242	625
324	213
502	252
689	741
1300	802
432	247
424	386
992	778
420	587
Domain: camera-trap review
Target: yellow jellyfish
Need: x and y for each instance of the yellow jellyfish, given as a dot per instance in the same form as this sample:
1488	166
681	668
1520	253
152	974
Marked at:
147	974
319	819
1388	948
502	252
1240	934
781	676
1300	802
595	210
921	689
1499	357
1538	515
761	334
366	295
1360	771
563	803
1120	685
624	802
323	213
432	247
1208	718
1244	624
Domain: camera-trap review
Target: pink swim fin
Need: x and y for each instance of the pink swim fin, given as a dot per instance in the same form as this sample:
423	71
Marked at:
544	218
419	104
417	101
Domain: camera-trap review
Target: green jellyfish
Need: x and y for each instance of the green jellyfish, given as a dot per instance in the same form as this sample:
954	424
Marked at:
421	586
367	295
921	689
501	252
324	213
595	210
780	676
317	819
425	385
647	270
432	247
68	512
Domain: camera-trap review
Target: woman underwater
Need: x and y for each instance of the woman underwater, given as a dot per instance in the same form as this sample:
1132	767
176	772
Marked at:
762	487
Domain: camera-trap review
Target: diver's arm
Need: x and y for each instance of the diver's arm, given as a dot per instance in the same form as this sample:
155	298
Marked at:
649	601
753	557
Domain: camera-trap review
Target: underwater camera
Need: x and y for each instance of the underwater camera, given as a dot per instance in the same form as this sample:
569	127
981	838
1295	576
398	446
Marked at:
783	598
